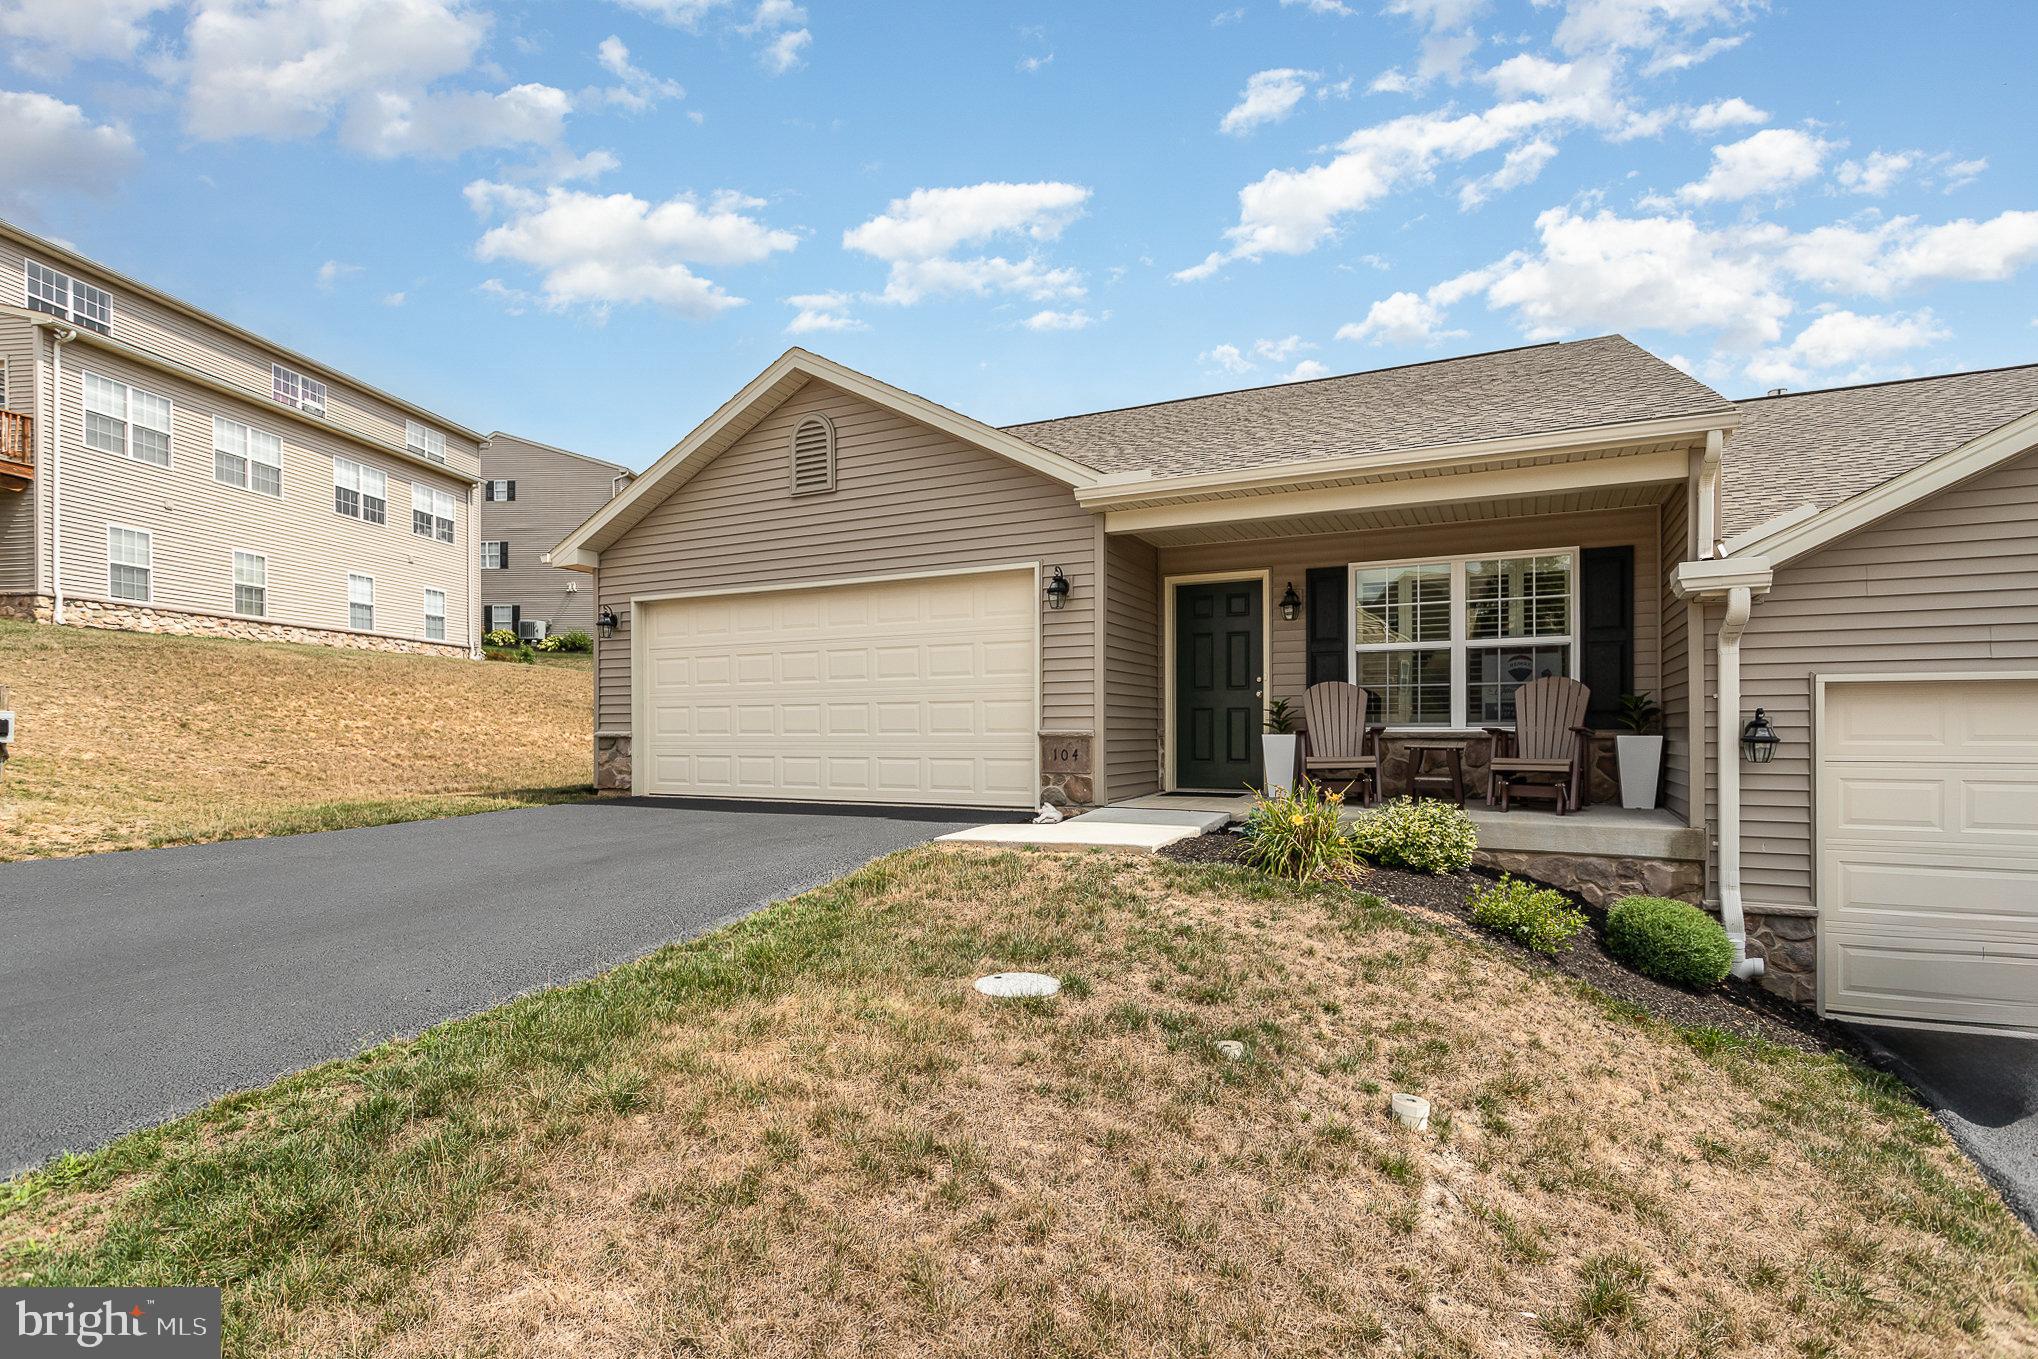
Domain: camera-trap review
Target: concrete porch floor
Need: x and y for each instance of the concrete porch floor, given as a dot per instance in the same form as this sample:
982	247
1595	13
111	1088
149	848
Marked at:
1607	831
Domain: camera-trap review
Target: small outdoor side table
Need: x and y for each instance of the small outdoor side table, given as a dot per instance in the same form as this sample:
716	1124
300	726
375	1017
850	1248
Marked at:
1447	781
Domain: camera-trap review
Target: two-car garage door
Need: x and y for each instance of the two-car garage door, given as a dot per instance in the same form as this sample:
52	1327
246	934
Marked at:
1928	850
918	691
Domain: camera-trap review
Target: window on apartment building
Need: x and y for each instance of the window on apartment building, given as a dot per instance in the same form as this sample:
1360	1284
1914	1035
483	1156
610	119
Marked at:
360	602
129	562
246	457
293	388
425	440
431	513
360	491
251	583
502	617
495	556
126	420
1446	643
499	490
58	294
435	615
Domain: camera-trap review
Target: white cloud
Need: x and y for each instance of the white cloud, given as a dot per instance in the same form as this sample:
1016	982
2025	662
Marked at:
1268	97
821	312
1229	358
1683	58
1049	319
598	250
396	299
389	124
332	271
1724	113
1281	350
1885	257
782	53
1845	340
1771	161
1404	318
781	24
1877	173
1032	65
636	89
45	34
1337	7
919	234
1520	166
678	13
1447	42
1961	173
52	146
1305	371
1618	25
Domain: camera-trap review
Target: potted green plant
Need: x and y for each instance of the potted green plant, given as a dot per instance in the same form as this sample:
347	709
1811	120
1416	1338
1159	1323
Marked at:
1639	750
1277	749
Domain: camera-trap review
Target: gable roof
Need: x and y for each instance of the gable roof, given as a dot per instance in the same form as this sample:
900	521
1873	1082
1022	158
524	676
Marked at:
1547	388
604	463
1824	447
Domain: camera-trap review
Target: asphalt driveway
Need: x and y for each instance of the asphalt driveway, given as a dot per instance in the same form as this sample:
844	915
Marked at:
1984	1089
138	986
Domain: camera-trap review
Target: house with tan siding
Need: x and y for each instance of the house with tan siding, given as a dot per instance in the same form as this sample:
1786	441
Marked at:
164	470
532	495
837	591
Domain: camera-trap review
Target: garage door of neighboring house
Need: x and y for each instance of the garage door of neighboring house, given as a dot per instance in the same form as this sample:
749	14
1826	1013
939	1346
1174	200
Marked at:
1928	849
921	690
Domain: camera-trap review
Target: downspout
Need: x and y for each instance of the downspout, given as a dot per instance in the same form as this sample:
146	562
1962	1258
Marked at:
1740	603
1709	494
59	337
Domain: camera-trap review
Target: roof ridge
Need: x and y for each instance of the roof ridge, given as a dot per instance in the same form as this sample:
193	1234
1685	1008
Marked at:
1886	382
1328	377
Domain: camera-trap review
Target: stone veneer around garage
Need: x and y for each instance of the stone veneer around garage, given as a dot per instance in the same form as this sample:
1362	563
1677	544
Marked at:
116	617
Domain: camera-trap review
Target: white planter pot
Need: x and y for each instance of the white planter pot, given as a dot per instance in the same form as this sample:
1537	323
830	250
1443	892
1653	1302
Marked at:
1641	762
1278	769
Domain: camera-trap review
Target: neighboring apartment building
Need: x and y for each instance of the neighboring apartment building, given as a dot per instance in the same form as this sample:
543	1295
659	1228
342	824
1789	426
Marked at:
164	470
532	496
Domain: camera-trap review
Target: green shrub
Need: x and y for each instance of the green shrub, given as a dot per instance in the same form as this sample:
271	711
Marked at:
571	642
499	637
1296	836
1671	941
1541	918
515	655
1424	836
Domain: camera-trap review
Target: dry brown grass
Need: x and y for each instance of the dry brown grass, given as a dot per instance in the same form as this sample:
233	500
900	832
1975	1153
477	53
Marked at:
130	740
866	1158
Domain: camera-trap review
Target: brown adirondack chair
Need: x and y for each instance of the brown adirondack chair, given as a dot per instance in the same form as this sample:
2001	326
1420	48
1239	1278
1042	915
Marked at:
1337	745
1549	741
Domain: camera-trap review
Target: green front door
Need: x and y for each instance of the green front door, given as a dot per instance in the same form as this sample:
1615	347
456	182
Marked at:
1218	684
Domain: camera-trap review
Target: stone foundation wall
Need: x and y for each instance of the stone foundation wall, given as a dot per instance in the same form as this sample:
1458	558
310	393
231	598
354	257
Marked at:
1603	766
114	617
1600	880
612	761
1788	946
1066	776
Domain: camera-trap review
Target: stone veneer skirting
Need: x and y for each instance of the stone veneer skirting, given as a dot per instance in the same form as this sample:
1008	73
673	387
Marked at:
1602	879
612	761
1789	948
94	613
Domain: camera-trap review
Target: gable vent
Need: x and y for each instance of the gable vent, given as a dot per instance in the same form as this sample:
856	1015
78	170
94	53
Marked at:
814	456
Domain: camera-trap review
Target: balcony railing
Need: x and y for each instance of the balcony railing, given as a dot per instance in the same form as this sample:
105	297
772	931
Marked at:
17	451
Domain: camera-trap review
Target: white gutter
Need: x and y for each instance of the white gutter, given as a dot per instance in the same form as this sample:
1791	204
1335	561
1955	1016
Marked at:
59	337
1740	603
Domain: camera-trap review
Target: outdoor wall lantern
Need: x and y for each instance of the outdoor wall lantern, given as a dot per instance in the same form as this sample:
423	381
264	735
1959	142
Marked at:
1291	603
1759	740
1057	590
607	619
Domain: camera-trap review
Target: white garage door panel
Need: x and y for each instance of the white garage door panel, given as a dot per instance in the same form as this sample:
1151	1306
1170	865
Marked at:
1928	850
919	691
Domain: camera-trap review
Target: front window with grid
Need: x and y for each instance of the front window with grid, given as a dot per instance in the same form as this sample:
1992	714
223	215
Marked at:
425	440
251	583
435	615
360	491
293	388
431	513
1446	643
495	556
360	602
60	295
126	420
246	457
129	555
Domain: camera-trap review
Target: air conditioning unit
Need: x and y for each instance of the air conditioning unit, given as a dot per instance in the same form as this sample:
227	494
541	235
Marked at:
532	629
6	728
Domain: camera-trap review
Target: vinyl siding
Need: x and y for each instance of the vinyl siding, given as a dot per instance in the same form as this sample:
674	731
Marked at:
160	330
1949	584
1132	668
556	492
17	508
908	499
197	523
1673	682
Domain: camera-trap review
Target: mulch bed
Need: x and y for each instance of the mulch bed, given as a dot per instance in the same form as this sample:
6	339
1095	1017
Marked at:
1736	1007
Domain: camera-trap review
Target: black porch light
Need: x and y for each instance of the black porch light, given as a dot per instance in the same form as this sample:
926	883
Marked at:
607	619
1759	740
1291	603
1057	589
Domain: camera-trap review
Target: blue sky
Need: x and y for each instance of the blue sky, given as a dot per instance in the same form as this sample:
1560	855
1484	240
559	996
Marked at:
590	222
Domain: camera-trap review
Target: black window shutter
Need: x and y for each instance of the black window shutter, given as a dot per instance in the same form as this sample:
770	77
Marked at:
502	556
488	490
516	616
1606	639
1329	624
509	490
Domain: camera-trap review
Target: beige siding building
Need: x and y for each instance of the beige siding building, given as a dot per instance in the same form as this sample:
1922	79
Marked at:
162	469
532	495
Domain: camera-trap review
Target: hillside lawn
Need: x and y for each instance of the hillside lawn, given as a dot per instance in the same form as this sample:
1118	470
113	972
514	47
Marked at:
128	741
807	1135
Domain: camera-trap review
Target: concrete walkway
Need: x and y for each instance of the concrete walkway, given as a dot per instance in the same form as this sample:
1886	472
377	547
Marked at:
1134	828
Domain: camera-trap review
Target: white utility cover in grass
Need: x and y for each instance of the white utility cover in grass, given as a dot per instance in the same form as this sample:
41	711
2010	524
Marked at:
1018	985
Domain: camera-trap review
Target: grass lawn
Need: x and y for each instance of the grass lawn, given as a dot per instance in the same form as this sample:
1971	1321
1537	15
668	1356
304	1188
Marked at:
129	740
806	1135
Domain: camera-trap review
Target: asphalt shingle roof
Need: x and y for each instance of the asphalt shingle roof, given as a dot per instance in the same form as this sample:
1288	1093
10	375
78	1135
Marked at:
1819	448
1539	389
